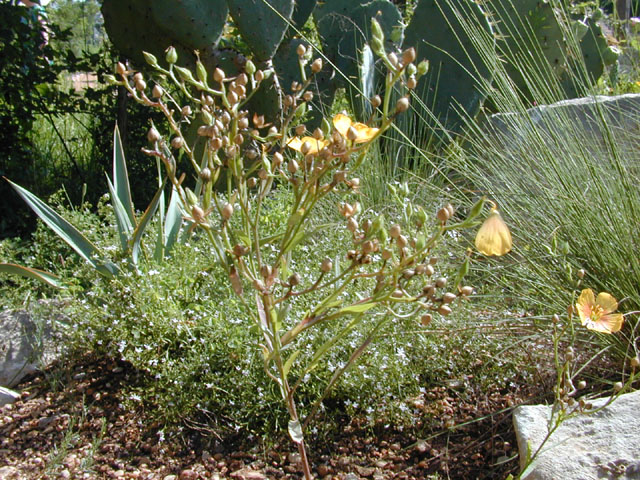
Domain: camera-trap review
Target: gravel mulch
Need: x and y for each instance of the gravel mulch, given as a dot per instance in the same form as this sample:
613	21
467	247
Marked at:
70	423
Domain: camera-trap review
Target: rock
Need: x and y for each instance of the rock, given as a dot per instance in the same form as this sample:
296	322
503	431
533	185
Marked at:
247	474
8	473
621	113
28	341
605	444
8	396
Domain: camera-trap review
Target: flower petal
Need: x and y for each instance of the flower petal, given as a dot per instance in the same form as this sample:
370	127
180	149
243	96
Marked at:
365	132
607	302
342	124
494	237
295	143
584	305
611	323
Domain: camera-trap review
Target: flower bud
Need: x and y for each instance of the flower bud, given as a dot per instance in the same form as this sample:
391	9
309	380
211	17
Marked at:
423	68
444	310
201	72
441	282
426	319
171	56
352	225
186	111
301	50
292	166
581	273
121	69
140	85
395	231
250	67
412	83
150	59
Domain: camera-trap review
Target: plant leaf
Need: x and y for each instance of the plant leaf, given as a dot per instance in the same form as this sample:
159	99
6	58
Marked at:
67	232
121	177
125	228
40	275
357	308
172	221
144	221
295	431
289	362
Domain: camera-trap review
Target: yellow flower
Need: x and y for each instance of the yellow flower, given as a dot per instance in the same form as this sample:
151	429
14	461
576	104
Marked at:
597	313
494	237
314	144
360	132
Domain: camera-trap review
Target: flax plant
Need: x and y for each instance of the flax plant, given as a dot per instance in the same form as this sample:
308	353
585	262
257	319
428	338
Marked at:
244	157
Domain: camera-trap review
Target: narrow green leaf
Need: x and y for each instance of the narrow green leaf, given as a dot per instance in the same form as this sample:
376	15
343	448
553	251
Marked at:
67	232
27	272
121	176
357	308
144	221
125	228
295	241
289	362
159	251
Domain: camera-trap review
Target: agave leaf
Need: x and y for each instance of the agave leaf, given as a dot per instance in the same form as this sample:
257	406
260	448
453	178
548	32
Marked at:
121	177
144	221
41	275
125	228
67	232
172	221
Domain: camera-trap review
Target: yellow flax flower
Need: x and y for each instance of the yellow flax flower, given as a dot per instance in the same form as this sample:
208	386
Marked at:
314	145
597	313
356	132
494	237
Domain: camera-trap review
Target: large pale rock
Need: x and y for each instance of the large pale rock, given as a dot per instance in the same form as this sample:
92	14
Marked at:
605	444
8	396
585	116
28	342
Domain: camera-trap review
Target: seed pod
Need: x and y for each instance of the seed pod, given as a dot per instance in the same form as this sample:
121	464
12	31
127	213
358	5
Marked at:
301	50
450	209
239	250
402	105
423	68
121	69
442	215
218	75
317	134
292	166
316	66
352	134
238	139
395	231
412	83
408	273
227	211
216	143
232	98
393	59
352	225
277	160
326	265
307	96
294	280
444	310
157	91
433	260
441	282
250	67
397	294
177	143
205	175
197	214
266	271
618	386
376	101
243	123
263	174
402	241
368	247
582	385
300	129
581	273
140	85
387	254
251	182
153	135
426	319
259	76
635	362
225	118
408	56
429	291
449	297
466	290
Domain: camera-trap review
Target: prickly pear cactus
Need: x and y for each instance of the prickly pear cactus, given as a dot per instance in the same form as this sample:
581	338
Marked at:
132	29
301	13
261	27
453	86
196	24
345	31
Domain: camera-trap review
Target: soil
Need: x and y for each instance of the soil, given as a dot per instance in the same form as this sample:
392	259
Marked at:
70	423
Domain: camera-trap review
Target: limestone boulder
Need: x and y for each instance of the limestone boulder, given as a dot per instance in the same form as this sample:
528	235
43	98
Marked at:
600	445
